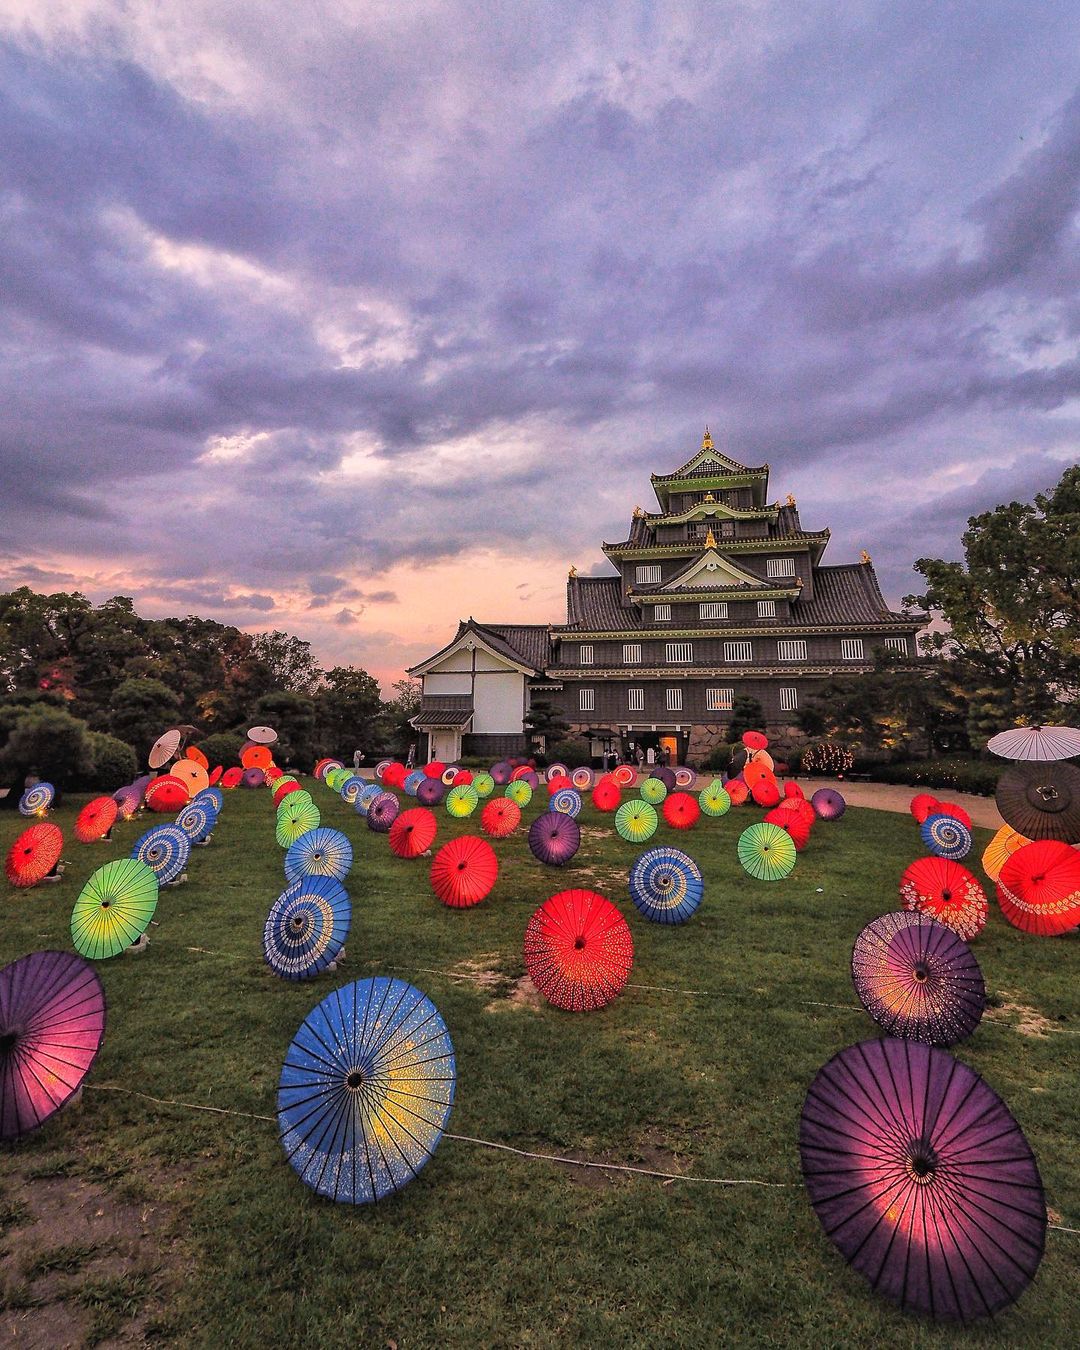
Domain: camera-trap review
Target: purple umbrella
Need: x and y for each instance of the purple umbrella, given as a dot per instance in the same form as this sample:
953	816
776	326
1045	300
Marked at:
52	1021
253	778
923	1179
141	784
828	804
918	979
666	776
501	772
382	812
554	837
128	800
430	792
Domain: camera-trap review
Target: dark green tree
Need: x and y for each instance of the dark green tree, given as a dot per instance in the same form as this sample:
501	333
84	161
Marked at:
545	720
49	743
747	714
139	711
349	712
293	717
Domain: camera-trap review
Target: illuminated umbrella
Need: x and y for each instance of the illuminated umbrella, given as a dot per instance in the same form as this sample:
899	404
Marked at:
1041	801
382	812
1036	743
431	792
685	777
413	832
922	1179
502	772
766	791
946	836
714	800
483	784
755	740
624	775
554	837
567	801
681	811
922	805
947	892
793	822
52	1023
215	774
114	908
766	851
262	735
128	800
556	771
231	778
434	769
165	849
273	773
606	795
166	793
666	885
462	800
196	822
918	979
380	768
306	927
520	792
578	950
582	778
293	820
464	871
636	821
665	776
412	781
828	804
95	820
366	1090
164	748
193	776
321	852
1038	888
653	790
212	798
500	817
1003	845
256	757
36	800
351	789
34	854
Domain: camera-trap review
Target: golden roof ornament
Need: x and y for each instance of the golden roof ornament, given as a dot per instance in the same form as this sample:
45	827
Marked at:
790	499
708	497
572	572
638	512
864	556
710	539
706	440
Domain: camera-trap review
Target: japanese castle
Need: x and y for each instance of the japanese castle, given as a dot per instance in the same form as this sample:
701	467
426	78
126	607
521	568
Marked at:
717	593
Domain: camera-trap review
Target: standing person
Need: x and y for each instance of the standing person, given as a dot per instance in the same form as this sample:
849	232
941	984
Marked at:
639	755
357	759
410	758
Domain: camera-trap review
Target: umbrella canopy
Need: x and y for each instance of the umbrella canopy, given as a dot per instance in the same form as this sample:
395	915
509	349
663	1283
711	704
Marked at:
624	775
606	795
755	740
351	788
114	908
792	789
793	822
306	927
556	771
500	817
502	772
766	792
828	804
947	892
922	1179
166	793
665	775
464	871
519	791
36	800
192	774
681	811
685	777
95	820
1036	743
636	821
366	1090
337	776
1038	888
523	773
128	800
382	812
366	797
52	1023
918	979
196	821
462	800
714	800
1003	845
413	781
554	838
737	791
946	836
262	735
434	769
666	885
283	788
323	767
380	768
953	809
165	849
295	818
193	752
211	797
756	771
256	757
462	778
321	852
300	795
431	792
566	800
1041	801
164	748
413	832
231	778
215	774
922	805
448	775
766	851
578	950
653	790
582	778
483	784
34	854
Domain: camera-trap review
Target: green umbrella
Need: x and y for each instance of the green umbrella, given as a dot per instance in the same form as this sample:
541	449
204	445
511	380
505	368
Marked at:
114	908
296	798
636	821
293	821
461	800
766	851
654	790
714	800
519	791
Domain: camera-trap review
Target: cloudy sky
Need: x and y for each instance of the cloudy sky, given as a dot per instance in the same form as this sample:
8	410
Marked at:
353	318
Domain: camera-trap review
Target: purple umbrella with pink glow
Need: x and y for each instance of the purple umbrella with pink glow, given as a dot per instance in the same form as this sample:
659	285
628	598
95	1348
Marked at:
431	792
382	812
923	1179
554	837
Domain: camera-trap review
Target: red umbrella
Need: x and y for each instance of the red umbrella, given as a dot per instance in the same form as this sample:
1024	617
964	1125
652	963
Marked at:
500	817
95	820
434	769
765	791
413	832
947	892
923	805
792	821
215	775
803	809
34	854
681	810
462	778
394	775
606	795
273	773
464	871
166	793
280	793
737	790
578	950
1038	888
793	789
755	740
951	809
231	778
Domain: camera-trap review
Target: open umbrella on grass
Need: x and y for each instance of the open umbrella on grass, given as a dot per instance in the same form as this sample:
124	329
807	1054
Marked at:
946	891
294	818
34	854
413	832
500	817
321	852
36	800
306	927
1038	888
636	821
554	838
464	871
165	849
578	950
95	820
666	885
766	851
114	908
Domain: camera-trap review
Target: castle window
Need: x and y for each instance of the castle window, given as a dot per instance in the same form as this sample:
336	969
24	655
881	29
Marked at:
727	529
713	609
851	649
635	700
780	567
897	644
646	574
791	649
679	652
661	613
719	700
789	700
674	700
766	609
586	657
586	700
631	653
738	651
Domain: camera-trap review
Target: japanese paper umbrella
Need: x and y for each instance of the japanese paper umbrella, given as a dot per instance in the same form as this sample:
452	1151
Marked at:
793	822
293	820
1036	743
431	792
306	927
685	777
413	832
665	775
755	740
262	735
483	784
500	817
606	795
164	748
1004	843
282	790
766	792
36	800
321	852
366	1090
636	821
166	793
578	950
34	854
947	892
351	788
196	820
165	849
918	979
253	777
95	820
666	885
210	797
828	804
714	800
464	871
501	772
766	851
434	769
128	800
382	812
191	774
946	836
519	791
922	1178
582	778
681	811
193	752
554	838
462	800
300	795
556	771
566	800
653	790
1041	801
1038	888
52	1022
114	908
922	805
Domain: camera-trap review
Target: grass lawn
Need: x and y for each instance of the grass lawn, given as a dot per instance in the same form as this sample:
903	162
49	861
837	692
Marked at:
200	1231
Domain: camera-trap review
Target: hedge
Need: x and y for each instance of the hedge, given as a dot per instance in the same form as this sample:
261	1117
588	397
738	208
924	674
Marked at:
952	774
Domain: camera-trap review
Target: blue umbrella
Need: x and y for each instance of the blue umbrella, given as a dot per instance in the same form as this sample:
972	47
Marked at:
366	1090
351	789
666	885
365	797
321	852
165	849
36	800
196	821
413	781
946	836
213	797
306	927
566	800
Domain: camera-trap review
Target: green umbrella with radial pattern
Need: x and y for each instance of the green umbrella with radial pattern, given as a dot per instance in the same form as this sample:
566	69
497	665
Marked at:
293	821
636	821
114	908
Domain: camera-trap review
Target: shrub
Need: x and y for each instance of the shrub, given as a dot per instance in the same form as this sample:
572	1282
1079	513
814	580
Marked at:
114	763
223	747
50	743
955	774
574	754
718	758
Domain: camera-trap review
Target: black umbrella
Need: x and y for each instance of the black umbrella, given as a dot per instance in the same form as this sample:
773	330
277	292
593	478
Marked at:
1041	801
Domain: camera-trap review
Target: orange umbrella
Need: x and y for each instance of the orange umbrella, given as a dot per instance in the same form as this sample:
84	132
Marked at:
257	757
754	772
215	775
193	752
95	820
464	871
413	832
737	791
1038	888
1003	845
947	892
34	854
192	773
500	817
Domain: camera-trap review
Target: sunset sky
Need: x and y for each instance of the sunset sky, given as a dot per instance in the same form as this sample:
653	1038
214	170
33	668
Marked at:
351	319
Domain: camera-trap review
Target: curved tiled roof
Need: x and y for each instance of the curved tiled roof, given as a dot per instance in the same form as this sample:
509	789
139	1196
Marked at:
848	593
595	604
529	643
